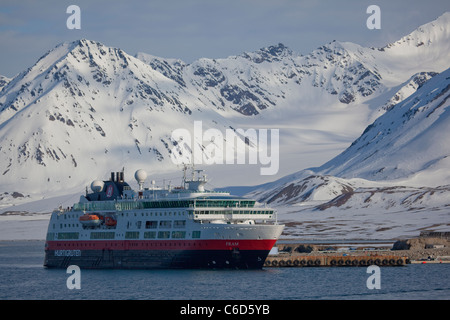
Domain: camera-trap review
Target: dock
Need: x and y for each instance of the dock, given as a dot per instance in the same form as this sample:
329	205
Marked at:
331	260
439	259
429	248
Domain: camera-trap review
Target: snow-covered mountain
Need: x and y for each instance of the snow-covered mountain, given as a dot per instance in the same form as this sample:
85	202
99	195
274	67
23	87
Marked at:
85	109
410	141
393	181
402	159
3	81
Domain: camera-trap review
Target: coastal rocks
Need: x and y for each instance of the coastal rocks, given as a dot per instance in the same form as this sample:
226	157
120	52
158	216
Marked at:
420	243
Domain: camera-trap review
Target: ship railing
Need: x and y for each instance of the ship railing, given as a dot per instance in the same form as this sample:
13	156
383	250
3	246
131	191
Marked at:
124	205
233	214
225	203
61	210
95	206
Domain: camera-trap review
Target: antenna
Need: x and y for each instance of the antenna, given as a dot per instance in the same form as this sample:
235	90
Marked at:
183	183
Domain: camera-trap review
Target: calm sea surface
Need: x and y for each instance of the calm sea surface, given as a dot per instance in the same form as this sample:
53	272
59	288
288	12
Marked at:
22	276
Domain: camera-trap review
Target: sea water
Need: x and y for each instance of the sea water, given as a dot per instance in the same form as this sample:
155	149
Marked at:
22	276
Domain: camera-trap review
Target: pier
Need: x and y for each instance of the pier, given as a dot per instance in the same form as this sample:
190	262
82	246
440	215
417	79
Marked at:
334	260
335	253
431	248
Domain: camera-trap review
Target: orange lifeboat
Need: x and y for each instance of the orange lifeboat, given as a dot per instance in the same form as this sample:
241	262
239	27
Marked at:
110	221
90	220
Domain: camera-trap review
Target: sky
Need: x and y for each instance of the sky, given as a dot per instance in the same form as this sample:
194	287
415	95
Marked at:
192	29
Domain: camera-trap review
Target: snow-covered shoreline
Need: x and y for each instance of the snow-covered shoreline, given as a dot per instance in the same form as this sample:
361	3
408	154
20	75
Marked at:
24	227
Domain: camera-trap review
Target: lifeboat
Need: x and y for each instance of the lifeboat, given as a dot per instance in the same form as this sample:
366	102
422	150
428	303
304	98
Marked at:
90	220
110	221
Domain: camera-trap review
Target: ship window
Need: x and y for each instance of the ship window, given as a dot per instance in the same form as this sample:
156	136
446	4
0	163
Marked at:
179	223
151	224
102	235
178	234
195	234
132	235
150	235
165	224
163	234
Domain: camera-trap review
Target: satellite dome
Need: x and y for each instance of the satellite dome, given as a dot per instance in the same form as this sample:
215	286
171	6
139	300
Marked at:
97	185
140	176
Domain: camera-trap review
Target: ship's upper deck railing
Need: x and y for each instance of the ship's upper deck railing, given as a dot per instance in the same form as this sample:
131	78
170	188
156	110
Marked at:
167	192
228	214
123	205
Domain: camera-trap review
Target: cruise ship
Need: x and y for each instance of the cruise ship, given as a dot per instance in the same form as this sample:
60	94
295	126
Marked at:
187	226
